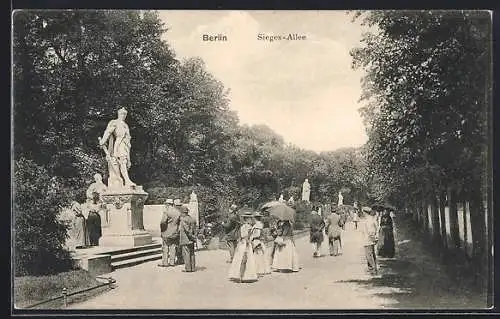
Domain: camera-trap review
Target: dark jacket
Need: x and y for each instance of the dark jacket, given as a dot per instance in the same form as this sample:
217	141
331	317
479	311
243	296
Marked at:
232	228
187	229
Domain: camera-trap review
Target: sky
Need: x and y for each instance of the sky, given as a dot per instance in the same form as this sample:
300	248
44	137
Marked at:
305	90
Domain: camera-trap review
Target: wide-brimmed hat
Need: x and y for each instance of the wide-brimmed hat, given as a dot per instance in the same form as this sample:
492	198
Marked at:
247	215
257	214
169	201
177	202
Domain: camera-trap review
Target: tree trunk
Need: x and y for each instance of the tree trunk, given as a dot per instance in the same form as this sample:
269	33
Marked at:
464	219
436	228
479	242
442	205
425	215
454	232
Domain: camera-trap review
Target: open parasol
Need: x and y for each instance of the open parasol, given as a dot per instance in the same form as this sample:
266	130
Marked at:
279	210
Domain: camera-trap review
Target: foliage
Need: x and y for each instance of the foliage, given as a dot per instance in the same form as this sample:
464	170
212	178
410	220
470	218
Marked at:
39	236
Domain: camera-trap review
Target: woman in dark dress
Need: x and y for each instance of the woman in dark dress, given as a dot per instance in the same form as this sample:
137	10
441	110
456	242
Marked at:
386	246
94	229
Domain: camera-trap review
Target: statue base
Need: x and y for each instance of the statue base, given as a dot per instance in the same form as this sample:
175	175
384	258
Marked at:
125	218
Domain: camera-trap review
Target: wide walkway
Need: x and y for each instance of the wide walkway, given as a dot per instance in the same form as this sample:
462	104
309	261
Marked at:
412	280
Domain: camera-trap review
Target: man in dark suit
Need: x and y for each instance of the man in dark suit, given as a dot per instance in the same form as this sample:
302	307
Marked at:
169	233
187	239
232	228
333	230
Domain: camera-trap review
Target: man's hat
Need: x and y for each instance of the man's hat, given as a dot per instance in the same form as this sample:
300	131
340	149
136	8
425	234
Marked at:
177	202
366	209
258	214
169	201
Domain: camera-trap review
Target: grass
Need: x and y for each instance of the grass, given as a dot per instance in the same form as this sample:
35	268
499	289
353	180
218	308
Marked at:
29	290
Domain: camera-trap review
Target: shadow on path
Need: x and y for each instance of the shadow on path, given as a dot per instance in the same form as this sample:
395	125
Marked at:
417	279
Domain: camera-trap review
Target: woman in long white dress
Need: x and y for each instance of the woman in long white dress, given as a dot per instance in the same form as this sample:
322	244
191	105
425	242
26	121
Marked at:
243	267
259	248
285	257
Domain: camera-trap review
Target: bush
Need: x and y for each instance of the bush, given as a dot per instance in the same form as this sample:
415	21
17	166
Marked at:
39	235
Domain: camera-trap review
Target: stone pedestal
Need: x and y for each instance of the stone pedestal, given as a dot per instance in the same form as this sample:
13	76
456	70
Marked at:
125	218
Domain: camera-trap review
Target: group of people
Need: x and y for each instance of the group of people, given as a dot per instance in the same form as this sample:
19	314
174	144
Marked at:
178	233
85	231
247	242
375	224
377	228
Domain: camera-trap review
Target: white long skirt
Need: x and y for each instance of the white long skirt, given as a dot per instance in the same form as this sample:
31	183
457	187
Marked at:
243	272
261	260
286	257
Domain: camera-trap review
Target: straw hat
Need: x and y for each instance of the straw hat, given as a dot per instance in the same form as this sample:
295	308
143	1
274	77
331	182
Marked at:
169	201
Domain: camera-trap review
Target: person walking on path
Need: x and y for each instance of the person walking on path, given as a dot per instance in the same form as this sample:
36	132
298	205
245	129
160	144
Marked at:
179	260
169	234
243	267
386	245
285	256
334	231
368	227
317	225
187	239
355	218
259	248
231	228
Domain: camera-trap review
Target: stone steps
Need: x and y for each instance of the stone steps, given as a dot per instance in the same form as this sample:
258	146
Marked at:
134	260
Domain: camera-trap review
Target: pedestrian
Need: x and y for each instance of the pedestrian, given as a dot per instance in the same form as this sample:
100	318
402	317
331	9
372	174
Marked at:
257	238
78	232
94	229
169	233
231	228
368	227
355	218
187	239
243	267
317	226
285	256
334	232
386	245
179	260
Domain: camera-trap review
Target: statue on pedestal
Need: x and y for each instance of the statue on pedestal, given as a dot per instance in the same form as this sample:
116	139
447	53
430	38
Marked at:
281	199
306	190
123	198
117	135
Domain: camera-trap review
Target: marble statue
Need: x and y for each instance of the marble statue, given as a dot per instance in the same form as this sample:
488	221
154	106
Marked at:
117	134
341	200
194	208
281	199
306	190
97	187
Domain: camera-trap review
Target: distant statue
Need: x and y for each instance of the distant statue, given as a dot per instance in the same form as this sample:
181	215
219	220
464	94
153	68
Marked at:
355	204
193	207
291	201
281	199
193	197
117	135
341	200
306	190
